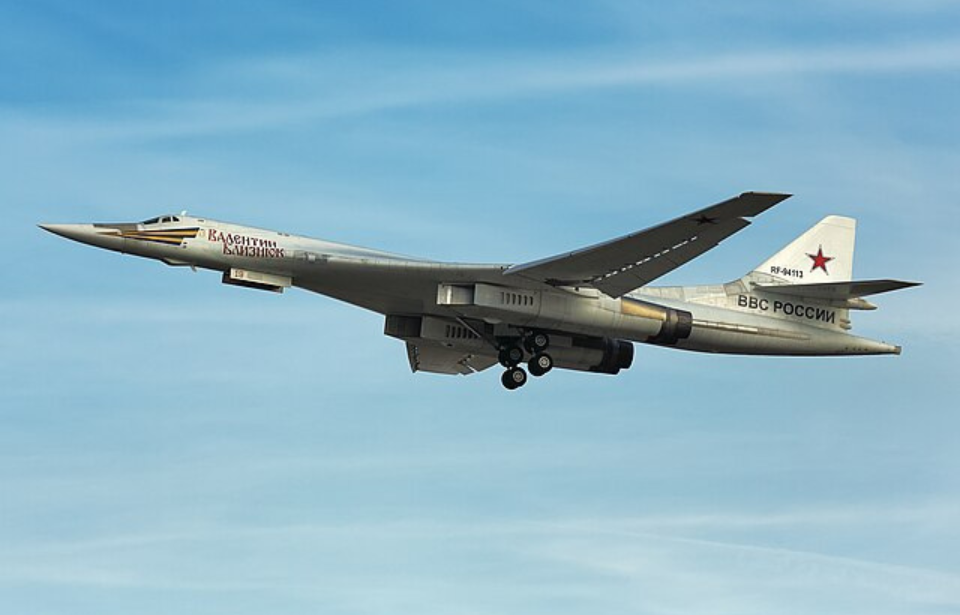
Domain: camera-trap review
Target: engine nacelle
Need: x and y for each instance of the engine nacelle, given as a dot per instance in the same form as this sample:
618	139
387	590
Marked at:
677	325
601	355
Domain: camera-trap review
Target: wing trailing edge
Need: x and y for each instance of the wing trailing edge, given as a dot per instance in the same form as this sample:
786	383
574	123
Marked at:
621	265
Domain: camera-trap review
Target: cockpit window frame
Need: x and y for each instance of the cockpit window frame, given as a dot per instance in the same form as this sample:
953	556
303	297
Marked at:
160	220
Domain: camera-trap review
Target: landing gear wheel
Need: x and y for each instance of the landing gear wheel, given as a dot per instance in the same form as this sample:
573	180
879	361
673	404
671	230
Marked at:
537	342
540	364
514	378
510	356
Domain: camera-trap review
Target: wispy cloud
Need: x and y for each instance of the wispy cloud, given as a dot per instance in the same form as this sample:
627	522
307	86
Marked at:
647	564
736	577
328	86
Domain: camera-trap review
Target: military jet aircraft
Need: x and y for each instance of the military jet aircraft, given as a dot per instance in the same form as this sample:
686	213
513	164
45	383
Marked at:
580	310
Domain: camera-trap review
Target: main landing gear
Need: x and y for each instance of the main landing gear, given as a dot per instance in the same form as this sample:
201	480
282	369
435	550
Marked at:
512	354
514	378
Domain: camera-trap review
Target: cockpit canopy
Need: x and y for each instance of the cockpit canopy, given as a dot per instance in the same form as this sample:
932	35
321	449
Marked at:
161	220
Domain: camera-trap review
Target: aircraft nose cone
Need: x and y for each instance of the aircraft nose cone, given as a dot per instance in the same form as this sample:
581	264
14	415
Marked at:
84	233
64	230
77	232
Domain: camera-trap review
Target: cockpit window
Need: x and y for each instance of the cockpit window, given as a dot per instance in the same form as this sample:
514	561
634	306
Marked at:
161	220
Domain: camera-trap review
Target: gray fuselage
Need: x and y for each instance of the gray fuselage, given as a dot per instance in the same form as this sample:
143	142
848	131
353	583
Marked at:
721	319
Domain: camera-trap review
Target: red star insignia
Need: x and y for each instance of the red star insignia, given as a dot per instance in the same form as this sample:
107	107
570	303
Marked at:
820	261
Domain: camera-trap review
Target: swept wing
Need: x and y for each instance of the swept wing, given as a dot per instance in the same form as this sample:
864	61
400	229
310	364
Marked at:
620	265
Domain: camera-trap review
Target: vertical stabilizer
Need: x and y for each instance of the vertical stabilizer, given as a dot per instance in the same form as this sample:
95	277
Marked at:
822	254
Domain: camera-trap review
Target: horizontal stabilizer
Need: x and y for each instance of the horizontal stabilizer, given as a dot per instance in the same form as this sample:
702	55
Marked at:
839	291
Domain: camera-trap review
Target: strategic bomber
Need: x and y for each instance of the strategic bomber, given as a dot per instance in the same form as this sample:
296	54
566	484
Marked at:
580	310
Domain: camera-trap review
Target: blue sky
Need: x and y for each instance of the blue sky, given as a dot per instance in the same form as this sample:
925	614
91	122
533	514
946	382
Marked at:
170	444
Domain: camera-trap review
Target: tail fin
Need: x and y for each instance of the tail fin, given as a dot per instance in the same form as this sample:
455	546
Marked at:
816	268
823	254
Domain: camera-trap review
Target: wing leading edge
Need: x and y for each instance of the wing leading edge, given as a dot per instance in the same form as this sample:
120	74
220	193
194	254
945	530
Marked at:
620	265
837	290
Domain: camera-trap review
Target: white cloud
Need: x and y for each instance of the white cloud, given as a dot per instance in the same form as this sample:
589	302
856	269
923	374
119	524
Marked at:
323	87
645	564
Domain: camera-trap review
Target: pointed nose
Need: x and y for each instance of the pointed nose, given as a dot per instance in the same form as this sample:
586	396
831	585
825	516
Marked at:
70	231
77	232
89	234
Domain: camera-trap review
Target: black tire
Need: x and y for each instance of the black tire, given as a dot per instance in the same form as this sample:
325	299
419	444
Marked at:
514	378
537	342
540	364
510	356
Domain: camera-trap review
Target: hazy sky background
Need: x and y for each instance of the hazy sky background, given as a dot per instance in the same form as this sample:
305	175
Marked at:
172	445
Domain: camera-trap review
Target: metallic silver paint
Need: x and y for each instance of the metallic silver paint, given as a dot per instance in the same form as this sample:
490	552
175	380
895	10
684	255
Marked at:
453	316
